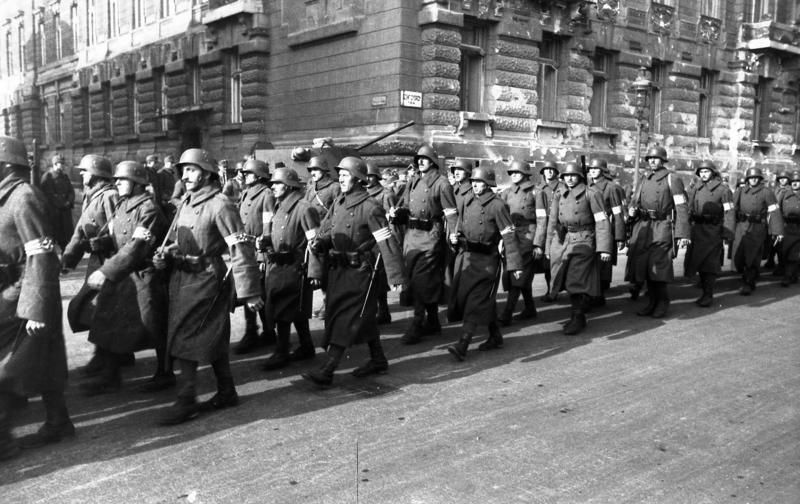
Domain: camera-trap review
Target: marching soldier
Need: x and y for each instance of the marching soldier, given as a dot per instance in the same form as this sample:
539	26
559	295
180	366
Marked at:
462	171
613	200
660	216
483	221
578	231
131	300
168	178
789	202
757	215
520	199
292	272
544	197
387	200
320	192
712	218
774	251
256	208
199	327
33	357
58	189
427	203
349	234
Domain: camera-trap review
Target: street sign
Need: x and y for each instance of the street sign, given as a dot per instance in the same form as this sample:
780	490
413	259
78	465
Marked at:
412	99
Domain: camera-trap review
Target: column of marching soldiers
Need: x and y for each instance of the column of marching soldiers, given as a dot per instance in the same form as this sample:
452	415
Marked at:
156	276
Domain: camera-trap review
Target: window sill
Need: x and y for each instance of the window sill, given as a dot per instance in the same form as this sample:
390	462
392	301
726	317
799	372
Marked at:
761	146
350	25
602	137
465	118
231	128
133	137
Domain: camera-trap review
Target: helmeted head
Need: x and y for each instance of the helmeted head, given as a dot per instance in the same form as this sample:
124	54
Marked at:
373	173
283	181
94	165
198	157
549	170
257	167
482	178
423	153
795	177
151	159
597	168
130	177
58	159
13	152
317	167
656	157
572	174
708	167
754	176
783	176
352	171
461	169
521	167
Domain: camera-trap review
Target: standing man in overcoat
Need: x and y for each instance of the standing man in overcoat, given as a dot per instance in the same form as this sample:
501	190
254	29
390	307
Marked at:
58	189
321	190
462	171
33	357
789	203
387	200
548	186
200	291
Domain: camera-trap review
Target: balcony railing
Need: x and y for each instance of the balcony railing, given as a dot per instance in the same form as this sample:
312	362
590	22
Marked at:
770	35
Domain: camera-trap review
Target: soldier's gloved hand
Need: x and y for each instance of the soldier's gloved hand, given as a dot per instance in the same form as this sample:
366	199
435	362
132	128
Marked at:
778	239
537	252
453	238
517	274
34	328
621	245
397	287
262	243
96	280
100	244
314	283
684	242
254	303
605	256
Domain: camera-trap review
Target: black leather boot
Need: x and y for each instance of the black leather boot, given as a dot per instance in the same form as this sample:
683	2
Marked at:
495	339
9	447
384	316
432	326
707	282
324	375
577	322
511	303
306	349
413	334
377	363
459	350
108	380
652	300
186	406
280	358
529	312
660	311
57	425
251	340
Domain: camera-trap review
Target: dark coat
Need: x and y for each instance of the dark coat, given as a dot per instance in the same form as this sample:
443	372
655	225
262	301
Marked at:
520	201
208	225
29	290
98	208
461	191
295	223
256	209
748	242
354	225
789	203
121	325
59	192
321	194
483	220
652	243
544	198
713	219
614	202
578	229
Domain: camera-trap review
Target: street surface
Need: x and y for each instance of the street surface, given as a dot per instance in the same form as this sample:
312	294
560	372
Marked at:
701	407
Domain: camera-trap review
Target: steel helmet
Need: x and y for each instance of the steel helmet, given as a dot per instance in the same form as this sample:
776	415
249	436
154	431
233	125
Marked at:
428	152
572	168
483	174
656	152
286	176
519	167
795	176
706	164
200	158
462	164
784	173
372	169
755	171
549	165
131	170
318	163
12	151
598	163
354	165
96	165
256	167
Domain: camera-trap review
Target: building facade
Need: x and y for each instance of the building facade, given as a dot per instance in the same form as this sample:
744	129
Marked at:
489	80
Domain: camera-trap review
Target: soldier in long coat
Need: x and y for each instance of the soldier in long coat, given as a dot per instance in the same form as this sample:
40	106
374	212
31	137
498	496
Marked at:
200	292
483	221
387	200
292	271
578	231
789	203
428	210
660	214
757	215
256	208
520	199
713	219
168	177
614	201
544	197
33	357
354	226
131	301
58	189
321	190
462	171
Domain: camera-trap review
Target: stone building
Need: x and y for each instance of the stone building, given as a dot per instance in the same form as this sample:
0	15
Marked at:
490	80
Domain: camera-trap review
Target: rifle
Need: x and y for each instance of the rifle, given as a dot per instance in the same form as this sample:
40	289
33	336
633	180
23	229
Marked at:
389	133
303	278
371	282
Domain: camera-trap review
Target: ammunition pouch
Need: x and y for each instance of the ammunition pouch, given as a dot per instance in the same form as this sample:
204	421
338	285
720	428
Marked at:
743	217
281	258
577	228
191	264
401	216
651	215
344	259
421	224
713	220
479	247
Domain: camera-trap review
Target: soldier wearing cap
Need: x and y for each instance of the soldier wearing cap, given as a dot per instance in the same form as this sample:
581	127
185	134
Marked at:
131	301
614	201
578	232
428	208
771	250
520	200
33	357
712	219
483	221
548	186
168	191
660	217
757	216
461	170
206	226
58	189
789	203
256	208
353	228
387	199
292	272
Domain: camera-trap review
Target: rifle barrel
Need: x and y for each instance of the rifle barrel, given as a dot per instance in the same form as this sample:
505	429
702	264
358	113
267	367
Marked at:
389	133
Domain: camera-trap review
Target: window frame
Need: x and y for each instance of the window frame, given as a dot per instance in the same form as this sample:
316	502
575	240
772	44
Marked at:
472	65
601	78
547	84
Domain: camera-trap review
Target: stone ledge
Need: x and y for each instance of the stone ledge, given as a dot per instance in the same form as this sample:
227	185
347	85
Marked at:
432	14
311	35
231	128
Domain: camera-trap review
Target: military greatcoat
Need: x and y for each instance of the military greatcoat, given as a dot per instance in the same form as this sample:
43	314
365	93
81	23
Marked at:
483	222
662	217
29	290
757	213
578	229
713	219
98	208
131	309
207	225
613	201
387	200
295	223
520	200
256	208
544	193
58	189
789	203
321	194
351	230
462	190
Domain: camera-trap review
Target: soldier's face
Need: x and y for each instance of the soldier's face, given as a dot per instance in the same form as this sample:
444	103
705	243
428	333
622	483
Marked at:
346	181
594	173
193	177
86	177
753	181
571	180
479	187
372	180
459	175
783	181
655	163
316	175
424	164
705	175
124	186
58	166
796	185
278	189
549	173
250	178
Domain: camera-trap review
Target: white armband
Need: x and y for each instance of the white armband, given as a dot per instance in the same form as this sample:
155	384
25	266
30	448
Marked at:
43	245
599	216
382	234
507	230
772	208
266	218
727	206
311	234
142	233
616	210
541	213
450	211
235	238
679	199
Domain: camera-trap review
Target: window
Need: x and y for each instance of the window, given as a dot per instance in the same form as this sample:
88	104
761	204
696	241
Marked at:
9	54
602	70
710	8
6	125
233	89
46	131
660	74
132	99
547	86
108	110
707	78
193	77
18	121
474	41
761	110
21	43
75	22
58	127
42	41
90	23
59	34
160	92
113	19
86	103
138	13
167	8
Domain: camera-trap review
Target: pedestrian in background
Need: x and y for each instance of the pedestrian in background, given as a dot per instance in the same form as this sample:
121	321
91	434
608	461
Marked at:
59	192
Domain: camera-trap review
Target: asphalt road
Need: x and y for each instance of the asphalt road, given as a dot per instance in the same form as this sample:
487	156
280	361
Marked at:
701	407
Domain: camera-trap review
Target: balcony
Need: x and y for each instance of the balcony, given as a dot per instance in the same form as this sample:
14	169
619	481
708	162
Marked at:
769	35
221	9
